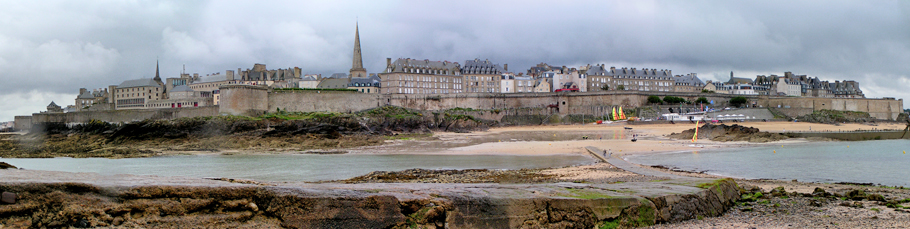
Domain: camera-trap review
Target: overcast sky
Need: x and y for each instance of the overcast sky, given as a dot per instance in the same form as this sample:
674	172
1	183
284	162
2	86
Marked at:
50	49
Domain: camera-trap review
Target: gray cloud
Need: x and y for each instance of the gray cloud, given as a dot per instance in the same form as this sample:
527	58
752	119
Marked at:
50	49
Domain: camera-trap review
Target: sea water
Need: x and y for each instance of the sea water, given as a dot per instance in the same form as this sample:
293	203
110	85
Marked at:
290	167
882	162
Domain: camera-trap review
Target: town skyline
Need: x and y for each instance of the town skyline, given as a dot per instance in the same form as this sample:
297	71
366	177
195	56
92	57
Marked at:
58	54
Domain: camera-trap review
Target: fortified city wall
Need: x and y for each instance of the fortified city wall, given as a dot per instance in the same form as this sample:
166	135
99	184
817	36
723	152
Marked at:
254	100
118	116
310	101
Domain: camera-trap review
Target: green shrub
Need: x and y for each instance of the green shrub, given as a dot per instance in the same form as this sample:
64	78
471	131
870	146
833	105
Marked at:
653	99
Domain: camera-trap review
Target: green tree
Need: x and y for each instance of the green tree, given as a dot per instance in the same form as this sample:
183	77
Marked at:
706	91
653	99
701	100
621	88
605	87
674	100
738	101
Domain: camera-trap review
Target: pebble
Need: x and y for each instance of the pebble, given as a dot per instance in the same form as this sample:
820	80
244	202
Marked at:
8	198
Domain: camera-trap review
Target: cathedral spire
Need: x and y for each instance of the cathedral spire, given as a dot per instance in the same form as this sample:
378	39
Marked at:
357	69
157	77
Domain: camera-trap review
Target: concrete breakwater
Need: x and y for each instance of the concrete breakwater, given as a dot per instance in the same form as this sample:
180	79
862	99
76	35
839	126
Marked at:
87	200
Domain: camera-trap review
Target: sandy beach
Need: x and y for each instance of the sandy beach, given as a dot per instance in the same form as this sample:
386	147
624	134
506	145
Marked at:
651	138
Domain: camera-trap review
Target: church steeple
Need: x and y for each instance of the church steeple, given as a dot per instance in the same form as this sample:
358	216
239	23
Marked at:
357	69
157	77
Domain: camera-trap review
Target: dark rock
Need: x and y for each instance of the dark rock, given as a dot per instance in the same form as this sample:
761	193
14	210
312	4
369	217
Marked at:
815	203
875	197
8	198
856	194
819	192
4	165
778	192
733	132
857	204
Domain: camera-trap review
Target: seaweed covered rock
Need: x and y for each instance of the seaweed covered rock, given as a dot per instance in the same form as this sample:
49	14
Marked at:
833	116
724	133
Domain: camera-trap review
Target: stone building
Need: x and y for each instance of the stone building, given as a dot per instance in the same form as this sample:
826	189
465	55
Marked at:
818	88
524	84
629	79
138	93
87	99
365	84
411	76
259	75
566	79
738	80
482	76
54	108
846	89
688	83
542	85
543	67
309	81
717	87
183	96
335	81
507	83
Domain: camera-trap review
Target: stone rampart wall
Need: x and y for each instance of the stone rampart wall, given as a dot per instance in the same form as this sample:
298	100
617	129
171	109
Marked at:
22	123
238	99
333	101
600	103
118	116
256	100
878	108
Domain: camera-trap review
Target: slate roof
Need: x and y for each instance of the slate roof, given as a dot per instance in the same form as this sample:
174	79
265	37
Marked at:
139	83
182	88
689	80
86	95
400	65
334	83
372	81
598	70
478	66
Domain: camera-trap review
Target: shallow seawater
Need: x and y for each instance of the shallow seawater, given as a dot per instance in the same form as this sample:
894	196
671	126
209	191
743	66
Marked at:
879	162
290	167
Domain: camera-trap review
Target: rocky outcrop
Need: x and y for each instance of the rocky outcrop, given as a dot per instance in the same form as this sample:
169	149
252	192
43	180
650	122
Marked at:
833	116
724	133
555	205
